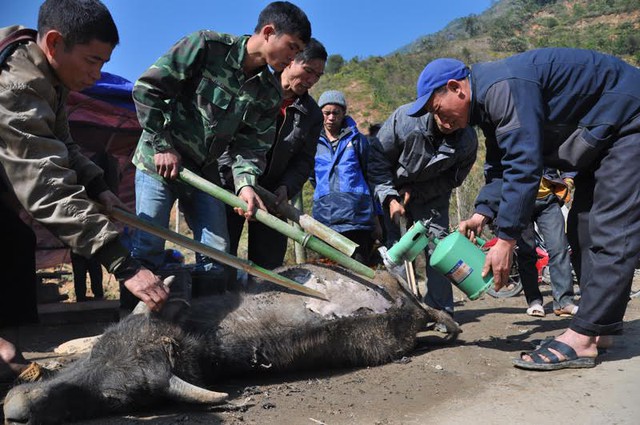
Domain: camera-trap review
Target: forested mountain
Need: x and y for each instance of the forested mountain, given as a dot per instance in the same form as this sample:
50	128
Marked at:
375	86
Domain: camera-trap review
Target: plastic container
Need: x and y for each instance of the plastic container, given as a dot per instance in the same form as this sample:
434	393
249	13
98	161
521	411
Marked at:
461	261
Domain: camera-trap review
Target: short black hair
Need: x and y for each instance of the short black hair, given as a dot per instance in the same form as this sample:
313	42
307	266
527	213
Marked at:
79	21
313	50
374	128
287	18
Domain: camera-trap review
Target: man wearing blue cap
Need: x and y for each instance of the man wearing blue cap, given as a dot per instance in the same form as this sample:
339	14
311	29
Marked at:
413	168
566	108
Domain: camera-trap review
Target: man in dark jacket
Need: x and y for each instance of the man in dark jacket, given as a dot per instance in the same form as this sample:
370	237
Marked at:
565	108
290	159
413	168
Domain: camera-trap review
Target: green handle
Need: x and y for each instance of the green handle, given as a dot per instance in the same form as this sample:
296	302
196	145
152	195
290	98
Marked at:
278	225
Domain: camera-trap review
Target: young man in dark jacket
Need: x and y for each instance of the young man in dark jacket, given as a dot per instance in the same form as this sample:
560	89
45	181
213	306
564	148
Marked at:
290	159
413	168
41	167
570	109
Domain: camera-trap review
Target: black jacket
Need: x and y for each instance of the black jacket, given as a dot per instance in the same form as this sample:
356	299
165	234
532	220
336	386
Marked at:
552	107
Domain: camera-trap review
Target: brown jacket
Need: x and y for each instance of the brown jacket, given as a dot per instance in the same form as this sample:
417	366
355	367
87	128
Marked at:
40	162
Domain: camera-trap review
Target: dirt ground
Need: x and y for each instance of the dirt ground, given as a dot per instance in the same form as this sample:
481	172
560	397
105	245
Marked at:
468	381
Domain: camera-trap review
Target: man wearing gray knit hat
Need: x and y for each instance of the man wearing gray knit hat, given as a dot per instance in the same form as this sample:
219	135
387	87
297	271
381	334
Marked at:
333	97
342	199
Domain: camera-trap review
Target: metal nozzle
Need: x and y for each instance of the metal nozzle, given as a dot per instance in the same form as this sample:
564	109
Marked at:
396	270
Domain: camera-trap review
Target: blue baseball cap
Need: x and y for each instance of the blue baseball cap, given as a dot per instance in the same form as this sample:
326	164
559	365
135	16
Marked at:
435	75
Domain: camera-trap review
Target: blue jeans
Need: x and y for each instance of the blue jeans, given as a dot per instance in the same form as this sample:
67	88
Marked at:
204	214
548	216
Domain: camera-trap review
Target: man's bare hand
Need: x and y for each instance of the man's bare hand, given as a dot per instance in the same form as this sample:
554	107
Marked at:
405	193
472	227
148	288
396	210
168	164
499	262
109	200
248	195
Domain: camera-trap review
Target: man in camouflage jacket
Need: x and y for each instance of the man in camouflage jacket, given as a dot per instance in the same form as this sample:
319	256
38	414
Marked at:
211	92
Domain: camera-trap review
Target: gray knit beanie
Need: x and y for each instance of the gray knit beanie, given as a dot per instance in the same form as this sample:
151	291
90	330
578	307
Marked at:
333	97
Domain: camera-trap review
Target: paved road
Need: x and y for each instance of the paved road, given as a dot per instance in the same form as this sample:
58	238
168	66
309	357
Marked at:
607	394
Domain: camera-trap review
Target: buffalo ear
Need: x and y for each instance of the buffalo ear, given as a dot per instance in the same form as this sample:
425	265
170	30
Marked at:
175	310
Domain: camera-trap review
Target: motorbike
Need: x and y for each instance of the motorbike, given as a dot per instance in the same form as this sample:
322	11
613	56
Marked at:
514	286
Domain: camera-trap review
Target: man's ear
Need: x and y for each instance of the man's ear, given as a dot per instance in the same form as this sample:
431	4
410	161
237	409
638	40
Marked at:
51	43
453	85
267	31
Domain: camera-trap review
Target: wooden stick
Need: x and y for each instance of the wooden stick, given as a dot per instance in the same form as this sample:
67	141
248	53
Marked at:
408	265
223	257
269	220
308	223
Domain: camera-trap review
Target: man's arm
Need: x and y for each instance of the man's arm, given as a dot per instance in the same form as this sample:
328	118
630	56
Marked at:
516	156
154	93
385	151
38	166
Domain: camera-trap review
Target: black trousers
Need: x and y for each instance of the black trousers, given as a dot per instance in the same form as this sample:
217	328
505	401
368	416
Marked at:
81	266
266	247
604	227
18	285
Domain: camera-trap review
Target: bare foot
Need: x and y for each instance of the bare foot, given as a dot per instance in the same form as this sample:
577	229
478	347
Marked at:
604	341
584	346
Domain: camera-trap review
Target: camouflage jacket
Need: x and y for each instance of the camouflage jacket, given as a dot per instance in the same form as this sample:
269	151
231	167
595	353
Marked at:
197	100
40	162
290	160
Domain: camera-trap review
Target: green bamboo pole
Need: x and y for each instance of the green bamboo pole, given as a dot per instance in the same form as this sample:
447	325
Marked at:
308	223
275	223
221	256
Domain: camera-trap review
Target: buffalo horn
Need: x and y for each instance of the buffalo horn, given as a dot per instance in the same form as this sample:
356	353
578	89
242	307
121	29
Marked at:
181	390
142	308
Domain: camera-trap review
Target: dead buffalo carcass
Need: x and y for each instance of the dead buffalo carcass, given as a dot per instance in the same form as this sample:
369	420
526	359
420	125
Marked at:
148	358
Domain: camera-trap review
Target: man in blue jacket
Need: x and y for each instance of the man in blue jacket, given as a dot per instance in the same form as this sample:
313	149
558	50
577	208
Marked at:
574	110
413	169
342	199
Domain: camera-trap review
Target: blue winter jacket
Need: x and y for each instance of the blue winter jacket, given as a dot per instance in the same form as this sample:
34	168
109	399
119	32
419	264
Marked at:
552	107
342	199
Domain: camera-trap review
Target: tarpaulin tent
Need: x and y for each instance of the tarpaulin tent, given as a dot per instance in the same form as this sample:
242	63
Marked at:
101	118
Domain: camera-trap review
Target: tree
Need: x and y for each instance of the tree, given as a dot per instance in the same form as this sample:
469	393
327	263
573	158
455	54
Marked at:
334	63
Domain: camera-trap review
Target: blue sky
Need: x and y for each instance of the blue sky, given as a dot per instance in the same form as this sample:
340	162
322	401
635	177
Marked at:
347	27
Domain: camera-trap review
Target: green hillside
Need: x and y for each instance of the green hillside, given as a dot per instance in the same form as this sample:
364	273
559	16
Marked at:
375	86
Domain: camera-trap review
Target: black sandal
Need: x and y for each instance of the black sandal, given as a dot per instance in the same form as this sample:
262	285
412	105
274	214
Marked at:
543	358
